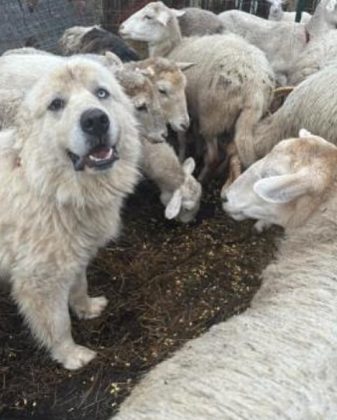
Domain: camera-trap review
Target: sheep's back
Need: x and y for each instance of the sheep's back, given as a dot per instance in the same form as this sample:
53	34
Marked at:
228	73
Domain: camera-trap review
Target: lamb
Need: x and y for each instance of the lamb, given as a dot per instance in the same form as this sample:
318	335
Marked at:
145	99
93	39
171	83
276	13
229	87
180	191
312	104
277	360
281	41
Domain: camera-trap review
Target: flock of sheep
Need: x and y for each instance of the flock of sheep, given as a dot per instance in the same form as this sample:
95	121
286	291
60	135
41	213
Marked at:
212	79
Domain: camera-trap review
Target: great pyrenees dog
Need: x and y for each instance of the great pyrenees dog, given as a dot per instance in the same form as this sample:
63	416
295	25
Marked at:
65	171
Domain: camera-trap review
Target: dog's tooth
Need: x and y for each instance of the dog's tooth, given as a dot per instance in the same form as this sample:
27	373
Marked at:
96	159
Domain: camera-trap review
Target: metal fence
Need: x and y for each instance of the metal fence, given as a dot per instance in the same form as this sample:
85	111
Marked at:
41	22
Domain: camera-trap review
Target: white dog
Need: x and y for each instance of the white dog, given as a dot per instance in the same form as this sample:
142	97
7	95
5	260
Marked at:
64	173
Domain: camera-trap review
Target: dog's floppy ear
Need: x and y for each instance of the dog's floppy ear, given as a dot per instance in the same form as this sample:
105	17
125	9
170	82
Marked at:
174	205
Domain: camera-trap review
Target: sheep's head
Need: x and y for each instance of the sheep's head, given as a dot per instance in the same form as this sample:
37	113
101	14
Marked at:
287	185
275	11
171	83
329	12
150	23
184	202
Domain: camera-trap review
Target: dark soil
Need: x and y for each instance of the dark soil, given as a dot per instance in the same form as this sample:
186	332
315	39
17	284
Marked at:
166	283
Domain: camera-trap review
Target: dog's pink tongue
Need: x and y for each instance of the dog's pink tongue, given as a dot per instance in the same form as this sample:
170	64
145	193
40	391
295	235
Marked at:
102	153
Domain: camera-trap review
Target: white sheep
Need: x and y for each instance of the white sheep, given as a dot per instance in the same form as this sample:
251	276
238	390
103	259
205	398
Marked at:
276	360
195	21
228	89
180	191
145	99
170	80
282	41
317	54
312	104
277	13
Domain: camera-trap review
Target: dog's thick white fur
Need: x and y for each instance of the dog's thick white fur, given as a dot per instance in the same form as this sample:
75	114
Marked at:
64	173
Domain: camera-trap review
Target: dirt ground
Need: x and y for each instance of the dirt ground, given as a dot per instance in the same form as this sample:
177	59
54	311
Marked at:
166	283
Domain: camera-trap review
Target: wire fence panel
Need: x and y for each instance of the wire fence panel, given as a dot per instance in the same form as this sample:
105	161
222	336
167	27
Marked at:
40	23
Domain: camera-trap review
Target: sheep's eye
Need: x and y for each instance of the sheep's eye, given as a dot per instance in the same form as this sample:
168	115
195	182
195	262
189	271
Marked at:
142	108
56	104
163	91
102	93
148	17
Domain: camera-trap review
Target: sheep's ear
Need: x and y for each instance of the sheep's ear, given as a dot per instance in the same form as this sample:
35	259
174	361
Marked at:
163	17
113	60
331	5
150	71
178	13
304	133
283	188
185	66
189	166
174	205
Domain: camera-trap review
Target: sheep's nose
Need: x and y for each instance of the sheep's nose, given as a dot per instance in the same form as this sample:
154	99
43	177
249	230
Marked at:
95	122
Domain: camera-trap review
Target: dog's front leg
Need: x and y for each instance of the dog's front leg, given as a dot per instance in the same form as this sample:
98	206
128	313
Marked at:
84	306
44	305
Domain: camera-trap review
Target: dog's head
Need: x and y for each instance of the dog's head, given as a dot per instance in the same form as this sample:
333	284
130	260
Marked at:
77	113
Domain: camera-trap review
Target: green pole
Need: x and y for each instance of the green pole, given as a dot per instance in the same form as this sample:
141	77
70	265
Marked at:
299	9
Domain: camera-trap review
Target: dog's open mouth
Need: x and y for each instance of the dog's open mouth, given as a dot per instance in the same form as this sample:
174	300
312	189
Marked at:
101	157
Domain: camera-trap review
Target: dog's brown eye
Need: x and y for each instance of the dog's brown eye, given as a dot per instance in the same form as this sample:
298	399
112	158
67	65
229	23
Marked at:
142	108
102	93
56	104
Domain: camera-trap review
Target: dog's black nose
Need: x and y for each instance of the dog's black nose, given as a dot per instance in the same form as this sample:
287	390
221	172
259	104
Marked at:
95	122
224	198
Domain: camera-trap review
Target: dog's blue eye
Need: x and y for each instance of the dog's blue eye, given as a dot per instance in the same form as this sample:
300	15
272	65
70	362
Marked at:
102	93
56	104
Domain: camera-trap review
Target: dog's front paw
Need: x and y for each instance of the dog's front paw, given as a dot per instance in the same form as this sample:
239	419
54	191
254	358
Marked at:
76	357
95	307
92	308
